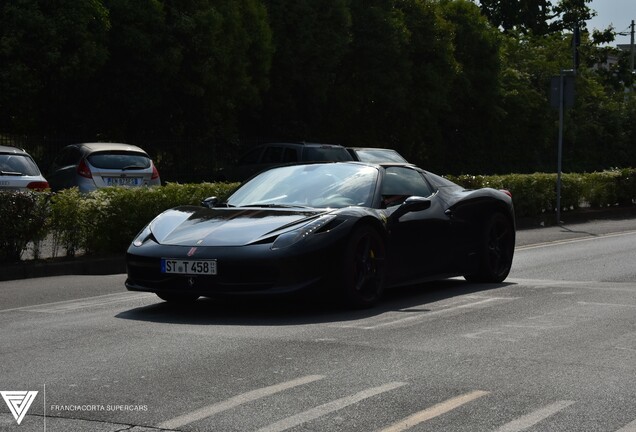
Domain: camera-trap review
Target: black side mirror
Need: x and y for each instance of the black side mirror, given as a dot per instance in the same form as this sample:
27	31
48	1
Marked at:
210	202
411	204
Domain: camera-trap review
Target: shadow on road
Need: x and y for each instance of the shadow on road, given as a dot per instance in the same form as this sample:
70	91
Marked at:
568	230
295	311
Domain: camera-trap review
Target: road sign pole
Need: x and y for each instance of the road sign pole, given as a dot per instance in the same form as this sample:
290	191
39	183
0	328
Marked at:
560	149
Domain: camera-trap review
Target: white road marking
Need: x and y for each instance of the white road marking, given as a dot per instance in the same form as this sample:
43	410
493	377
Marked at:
327	408
575	240
625	349
398	318
235	401
628	428
533	326
582	285
529	420
71	305
434	411
607	304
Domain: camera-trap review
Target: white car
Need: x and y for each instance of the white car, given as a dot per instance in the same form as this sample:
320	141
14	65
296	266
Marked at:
90	166
18	171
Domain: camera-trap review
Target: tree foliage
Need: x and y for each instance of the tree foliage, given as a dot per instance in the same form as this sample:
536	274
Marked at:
454	85
49	51
539	17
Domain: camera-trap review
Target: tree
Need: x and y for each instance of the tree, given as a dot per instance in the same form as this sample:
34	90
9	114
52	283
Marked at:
433	69
471	128
50	52
526	132
311	39
224	49
370	99
538	17
143	63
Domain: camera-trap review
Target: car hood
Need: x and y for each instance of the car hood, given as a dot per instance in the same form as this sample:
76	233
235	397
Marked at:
197	226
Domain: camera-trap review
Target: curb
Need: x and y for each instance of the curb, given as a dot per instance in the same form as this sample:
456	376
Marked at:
67	266
581	215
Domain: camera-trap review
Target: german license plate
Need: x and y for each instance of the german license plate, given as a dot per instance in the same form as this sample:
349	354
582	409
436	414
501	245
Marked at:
123	181
188	267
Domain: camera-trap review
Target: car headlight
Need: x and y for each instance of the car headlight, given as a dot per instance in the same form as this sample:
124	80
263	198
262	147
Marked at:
143	236
289	238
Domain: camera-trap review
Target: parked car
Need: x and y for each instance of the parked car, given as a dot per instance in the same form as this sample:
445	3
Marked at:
269	155
18	171
90	166
375	155
351	227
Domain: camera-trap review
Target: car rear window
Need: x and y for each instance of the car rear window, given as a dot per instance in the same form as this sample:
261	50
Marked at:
119	160
326	153
18	164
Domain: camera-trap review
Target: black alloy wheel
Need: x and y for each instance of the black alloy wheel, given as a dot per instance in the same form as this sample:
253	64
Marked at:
364	268
498	246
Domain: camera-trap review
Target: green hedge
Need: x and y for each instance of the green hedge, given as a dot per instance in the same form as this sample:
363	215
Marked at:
101	222
535	194
23	218
105	221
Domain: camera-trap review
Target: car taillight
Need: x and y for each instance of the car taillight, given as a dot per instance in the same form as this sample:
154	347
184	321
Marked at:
84	170
38	185
155	173
507	192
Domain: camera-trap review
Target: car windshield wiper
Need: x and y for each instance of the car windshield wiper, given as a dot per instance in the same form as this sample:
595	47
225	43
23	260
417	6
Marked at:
133	167
12	173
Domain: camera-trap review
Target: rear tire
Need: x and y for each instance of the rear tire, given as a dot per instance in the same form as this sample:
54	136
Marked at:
363	268
174	298
496	251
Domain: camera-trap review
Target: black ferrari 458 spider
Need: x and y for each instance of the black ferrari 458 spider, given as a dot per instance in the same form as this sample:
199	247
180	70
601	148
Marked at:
348	228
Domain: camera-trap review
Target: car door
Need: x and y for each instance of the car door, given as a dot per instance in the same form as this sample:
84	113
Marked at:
419	242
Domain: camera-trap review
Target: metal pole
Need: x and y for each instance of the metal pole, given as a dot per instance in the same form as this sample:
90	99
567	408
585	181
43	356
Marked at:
632	49
560	149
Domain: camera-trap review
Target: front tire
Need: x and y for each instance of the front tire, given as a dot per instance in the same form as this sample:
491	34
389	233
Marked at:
363	268
496	251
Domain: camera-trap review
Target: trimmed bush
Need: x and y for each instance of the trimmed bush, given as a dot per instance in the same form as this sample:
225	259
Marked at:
68	221
535	194
106	220
23	217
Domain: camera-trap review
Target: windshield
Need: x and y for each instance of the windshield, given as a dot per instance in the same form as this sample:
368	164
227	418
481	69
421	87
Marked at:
379	155
323	185
17	164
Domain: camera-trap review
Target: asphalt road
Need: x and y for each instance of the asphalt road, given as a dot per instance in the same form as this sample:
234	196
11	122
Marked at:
551	349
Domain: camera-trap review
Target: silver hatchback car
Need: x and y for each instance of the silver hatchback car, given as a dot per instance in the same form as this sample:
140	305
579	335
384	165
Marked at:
90	166
18	171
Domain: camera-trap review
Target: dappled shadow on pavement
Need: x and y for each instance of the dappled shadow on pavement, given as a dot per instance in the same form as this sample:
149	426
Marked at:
295	311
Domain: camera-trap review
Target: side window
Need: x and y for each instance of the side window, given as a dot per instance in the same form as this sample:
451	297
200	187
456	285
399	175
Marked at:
68	156
272	155
251	157
290	155
400	183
